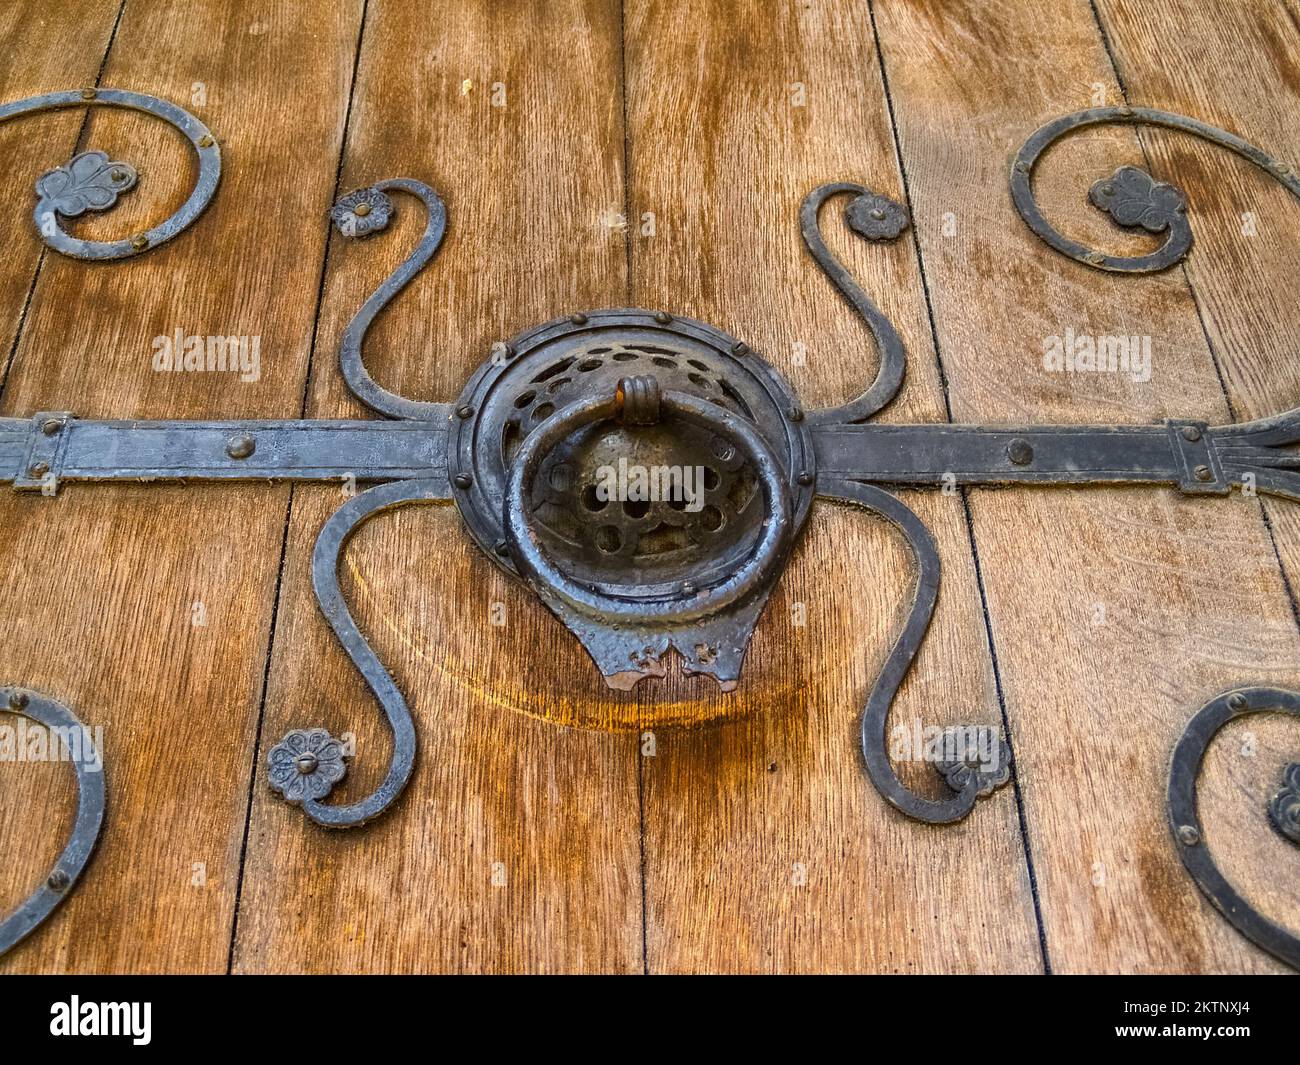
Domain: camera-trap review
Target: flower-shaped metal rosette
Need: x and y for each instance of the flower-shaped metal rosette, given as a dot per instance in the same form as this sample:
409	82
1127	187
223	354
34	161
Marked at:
306	764
1284	808
88	182
876	217
977	753
362	212
1133	197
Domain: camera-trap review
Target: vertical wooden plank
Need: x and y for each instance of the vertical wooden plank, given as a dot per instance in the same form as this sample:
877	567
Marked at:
63	49
147	609
516	847
41	54
766	846
1115	612
1246	228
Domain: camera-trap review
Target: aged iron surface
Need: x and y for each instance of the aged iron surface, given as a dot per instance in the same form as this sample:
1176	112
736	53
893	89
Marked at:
548	413
64	734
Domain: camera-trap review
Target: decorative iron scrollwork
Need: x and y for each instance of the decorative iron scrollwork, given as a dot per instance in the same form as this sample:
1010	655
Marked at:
1185	822
90	181
66	738
521	452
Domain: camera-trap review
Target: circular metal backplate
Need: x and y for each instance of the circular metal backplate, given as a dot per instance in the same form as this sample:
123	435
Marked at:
658	547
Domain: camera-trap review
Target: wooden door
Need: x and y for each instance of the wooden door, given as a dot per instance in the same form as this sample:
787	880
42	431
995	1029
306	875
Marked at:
595	153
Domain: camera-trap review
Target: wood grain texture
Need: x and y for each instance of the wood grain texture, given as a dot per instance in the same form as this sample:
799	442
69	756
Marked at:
552	825
103	581
62	50
517	844
1247	228
766	847
69	43
1115	613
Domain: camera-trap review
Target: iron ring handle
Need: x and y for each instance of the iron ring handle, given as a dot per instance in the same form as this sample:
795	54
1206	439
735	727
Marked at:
538	569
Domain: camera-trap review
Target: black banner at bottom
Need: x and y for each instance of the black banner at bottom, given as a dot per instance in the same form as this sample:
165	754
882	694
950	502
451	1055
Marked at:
326	1015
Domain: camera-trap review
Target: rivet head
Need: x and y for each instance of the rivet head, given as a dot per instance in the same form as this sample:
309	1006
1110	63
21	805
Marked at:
51	426
38	469
1190	432
739	348
663	317
1236	701
1020	452
1203	473
139	242
58	880
1189	835
307	762
795	414
361	210
206	141
502	548
17	700
241	446
88	94
463	480
1022	166
805	478
878	214
1108	189
578	319
1095	258
464	412
688	587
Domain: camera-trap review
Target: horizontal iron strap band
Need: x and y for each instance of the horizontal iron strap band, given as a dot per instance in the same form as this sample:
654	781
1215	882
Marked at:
55	445
1045	454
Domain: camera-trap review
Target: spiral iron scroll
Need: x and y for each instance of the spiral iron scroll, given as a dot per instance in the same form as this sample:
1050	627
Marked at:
1185	822
91	181
72	738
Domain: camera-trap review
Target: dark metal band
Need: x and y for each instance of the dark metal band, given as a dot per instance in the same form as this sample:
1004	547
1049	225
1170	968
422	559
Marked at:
54	447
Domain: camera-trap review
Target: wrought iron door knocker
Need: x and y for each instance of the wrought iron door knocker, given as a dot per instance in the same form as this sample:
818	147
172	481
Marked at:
519	451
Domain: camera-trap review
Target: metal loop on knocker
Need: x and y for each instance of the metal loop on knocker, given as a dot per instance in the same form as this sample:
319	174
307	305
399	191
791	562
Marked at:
550	581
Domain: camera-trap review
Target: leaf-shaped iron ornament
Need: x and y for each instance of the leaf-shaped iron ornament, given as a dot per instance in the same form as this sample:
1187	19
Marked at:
1284	807
89	182
1133	197
523	453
